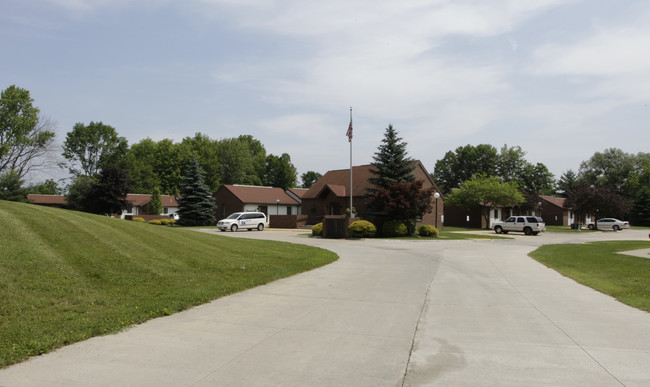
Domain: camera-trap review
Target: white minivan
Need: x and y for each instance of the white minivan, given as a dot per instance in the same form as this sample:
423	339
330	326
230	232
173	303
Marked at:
243	220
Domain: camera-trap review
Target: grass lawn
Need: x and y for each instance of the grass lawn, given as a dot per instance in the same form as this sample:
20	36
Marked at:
597	265
66	276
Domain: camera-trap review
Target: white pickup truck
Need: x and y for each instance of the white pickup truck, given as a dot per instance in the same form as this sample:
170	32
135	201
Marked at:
529	225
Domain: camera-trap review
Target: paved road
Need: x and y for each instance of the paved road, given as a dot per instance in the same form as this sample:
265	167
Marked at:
387	313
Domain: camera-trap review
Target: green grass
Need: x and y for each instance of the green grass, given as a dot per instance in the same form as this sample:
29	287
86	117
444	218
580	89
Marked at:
597	265
66	276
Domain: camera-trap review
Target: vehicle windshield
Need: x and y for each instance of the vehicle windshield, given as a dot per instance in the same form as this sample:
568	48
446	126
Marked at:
234	216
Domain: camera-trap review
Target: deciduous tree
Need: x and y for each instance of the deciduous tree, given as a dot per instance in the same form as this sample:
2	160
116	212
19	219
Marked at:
466	161
89	148
309	178
486	193
280	172
24	136
601	202
108	194
403	201
48	187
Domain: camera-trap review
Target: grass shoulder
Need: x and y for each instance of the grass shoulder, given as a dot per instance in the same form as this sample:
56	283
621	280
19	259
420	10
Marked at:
600	266
67	276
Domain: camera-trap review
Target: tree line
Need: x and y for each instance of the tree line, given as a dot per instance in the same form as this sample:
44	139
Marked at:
610	184
96	151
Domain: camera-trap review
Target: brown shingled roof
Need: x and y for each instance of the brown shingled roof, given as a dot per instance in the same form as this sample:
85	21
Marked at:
133	199
46	199
299	192
260	195
338	181
142	199
554	200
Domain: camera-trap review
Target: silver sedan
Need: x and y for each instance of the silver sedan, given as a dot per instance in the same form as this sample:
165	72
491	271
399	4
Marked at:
609	224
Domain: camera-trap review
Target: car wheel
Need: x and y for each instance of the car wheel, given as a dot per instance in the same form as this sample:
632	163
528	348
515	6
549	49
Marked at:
616	227
498	229
528	230
260	227
233	228
591	227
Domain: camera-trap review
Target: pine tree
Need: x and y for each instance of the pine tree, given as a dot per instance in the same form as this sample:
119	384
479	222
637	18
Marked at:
391	164
395	194
196	205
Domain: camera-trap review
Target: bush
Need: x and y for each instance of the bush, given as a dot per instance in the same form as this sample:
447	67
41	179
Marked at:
317	230
394	228
138	220
362	229
166	222
428	231
156	222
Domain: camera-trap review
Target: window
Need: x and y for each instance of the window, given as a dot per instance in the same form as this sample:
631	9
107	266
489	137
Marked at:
166	210
288	210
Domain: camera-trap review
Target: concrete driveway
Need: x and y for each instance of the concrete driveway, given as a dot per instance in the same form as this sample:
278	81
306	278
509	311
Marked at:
387	313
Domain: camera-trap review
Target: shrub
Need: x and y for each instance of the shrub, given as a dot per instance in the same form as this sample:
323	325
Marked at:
138	220
317	230
156	222
362	229
394	228
427	230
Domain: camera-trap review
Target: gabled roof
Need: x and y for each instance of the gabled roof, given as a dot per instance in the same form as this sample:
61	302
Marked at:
251	194
338	181
299	192
559	202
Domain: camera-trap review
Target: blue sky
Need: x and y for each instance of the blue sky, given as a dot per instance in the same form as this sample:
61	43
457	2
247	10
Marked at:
563	79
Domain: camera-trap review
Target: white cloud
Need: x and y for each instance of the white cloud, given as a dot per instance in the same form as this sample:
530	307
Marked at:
612	52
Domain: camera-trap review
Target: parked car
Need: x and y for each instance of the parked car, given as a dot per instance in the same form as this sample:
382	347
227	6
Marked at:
244	220
609	224
529	225
174	216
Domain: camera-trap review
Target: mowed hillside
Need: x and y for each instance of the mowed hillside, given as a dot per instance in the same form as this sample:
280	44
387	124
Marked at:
66	276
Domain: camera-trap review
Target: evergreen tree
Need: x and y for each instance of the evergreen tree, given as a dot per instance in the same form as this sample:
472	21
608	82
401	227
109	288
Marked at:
196	205
395	194
11	187
391	164
108	194
155	207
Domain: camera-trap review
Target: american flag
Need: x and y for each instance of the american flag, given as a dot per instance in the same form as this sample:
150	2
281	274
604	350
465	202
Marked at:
349	132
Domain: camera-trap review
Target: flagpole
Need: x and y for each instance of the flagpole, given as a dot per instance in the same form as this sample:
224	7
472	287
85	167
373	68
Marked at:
352	214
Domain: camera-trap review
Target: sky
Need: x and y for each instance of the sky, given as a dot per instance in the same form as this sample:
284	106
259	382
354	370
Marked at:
562	79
